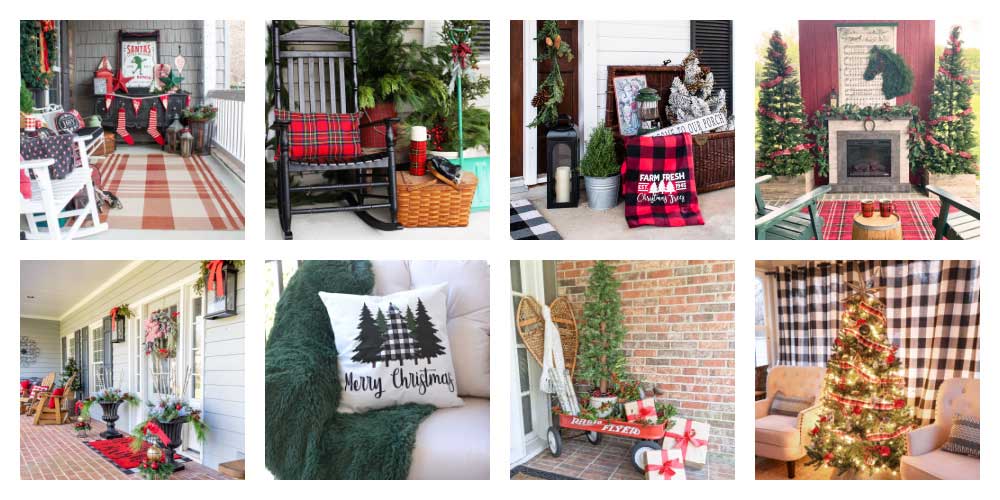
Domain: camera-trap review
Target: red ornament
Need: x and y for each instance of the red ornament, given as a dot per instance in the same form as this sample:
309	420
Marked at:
815	430
178	406
884	451
838	342
857	410
890	358
828	457
824	418
899	403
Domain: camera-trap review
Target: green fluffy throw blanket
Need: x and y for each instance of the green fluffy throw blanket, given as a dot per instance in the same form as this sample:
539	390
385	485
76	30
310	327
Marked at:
306	437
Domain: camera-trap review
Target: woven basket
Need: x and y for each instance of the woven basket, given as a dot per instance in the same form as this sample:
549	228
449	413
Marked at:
714	153
531	329
425	202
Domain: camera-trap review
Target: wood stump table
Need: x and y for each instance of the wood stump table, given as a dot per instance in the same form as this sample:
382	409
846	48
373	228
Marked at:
876	227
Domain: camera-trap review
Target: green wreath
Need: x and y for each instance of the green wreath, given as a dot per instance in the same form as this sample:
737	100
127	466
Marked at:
31	54
897	78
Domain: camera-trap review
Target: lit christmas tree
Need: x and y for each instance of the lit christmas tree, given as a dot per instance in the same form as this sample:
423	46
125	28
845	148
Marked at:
864	420
783	148
949	137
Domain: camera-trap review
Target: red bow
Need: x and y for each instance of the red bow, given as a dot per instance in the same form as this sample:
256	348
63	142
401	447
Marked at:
46	26
114	319
151	427
666	469
215	278
459	52
683	440
646	411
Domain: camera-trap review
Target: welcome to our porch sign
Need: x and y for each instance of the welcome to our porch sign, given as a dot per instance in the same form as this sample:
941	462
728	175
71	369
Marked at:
701	125
138	54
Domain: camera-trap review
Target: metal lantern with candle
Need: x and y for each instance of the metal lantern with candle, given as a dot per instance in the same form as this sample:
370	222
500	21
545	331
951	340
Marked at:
648	104
562	144
174	135
186	142
220	289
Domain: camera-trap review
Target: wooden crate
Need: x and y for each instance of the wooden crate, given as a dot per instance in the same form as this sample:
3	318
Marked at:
426	202
714	153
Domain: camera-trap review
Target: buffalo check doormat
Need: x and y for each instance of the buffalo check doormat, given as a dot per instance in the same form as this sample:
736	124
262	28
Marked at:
164	191
526	223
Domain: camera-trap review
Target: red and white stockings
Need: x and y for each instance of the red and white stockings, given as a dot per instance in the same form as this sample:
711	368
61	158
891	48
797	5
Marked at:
121	128
153	132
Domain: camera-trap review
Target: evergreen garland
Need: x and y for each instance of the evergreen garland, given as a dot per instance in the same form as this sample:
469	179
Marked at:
819	126
783	148
601	360
897	78
31	57
945	143
70	369
551	90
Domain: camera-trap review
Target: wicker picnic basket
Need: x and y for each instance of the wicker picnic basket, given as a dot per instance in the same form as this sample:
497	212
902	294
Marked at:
531	329
425	202
714	153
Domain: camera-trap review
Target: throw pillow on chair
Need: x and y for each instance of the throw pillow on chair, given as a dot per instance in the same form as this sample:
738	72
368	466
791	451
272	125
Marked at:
321	137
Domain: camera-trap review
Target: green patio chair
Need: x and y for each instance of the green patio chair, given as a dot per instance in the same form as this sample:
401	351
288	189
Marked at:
788	222
961	225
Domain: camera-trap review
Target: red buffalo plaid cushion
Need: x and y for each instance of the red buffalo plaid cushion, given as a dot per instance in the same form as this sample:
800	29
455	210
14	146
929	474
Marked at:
658	182
321	137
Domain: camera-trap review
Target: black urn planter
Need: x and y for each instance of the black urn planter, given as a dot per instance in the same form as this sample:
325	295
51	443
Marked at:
110	416
173	431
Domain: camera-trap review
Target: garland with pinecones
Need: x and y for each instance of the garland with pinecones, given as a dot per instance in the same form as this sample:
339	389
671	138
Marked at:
551	90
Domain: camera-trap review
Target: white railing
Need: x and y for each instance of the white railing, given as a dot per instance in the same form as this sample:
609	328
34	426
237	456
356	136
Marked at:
229	122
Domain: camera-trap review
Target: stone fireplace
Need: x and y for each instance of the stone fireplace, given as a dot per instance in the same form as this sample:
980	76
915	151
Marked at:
872	160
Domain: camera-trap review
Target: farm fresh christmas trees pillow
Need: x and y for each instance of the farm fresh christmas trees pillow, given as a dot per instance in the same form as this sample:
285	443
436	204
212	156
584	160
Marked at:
393	349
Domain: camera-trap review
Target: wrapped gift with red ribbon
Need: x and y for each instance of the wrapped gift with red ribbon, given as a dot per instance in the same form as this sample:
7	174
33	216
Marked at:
665	465
691	438
643	410
214	280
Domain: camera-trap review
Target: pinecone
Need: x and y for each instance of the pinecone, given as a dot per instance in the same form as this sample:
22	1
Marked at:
541	97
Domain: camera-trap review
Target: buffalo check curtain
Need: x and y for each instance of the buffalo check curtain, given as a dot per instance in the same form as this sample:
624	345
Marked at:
932	312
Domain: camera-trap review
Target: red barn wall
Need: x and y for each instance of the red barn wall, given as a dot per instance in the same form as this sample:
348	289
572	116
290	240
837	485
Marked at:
818	61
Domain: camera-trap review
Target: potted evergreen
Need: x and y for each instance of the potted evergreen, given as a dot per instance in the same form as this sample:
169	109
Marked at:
601	361
601	170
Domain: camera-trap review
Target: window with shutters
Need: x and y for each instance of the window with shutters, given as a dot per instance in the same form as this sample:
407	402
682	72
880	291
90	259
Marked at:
481	40
715	41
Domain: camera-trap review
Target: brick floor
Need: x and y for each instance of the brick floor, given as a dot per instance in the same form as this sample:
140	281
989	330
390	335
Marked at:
610	460
54	452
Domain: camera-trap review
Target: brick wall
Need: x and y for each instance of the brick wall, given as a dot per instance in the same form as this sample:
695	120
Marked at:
92	40
680	320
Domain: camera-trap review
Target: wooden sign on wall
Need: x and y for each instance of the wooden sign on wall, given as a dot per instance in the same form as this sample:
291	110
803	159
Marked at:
853	44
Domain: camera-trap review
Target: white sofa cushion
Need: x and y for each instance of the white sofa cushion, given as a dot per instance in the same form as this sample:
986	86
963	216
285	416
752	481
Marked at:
468	311
454	443
939	464
778	430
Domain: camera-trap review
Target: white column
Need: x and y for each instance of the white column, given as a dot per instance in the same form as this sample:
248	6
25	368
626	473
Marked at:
589	93
530	85
208	54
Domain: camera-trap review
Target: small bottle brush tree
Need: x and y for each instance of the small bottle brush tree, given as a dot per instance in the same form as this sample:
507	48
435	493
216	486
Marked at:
600	359
864	417
599	159
782	146
949	138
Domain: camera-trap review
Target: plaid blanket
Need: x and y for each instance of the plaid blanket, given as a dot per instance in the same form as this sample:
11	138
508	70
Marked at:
658	182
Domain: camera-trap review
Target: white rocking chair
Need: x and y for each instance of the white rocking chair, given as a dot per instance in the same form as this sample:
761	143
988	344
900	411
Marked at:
49	198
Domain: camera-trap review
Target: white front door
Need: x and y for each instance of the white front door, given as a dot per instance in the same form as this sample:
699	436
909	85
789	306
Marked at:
530	416
193	361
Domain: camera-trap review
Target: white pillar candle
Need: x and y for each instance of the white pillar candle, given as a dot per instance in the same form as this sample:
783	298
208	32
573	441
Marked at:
562	184
418	134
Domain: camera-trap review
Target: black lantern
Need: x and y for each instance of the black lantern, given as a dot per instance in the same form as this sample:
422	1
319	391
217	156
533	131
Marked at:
115	326
562	144
220	289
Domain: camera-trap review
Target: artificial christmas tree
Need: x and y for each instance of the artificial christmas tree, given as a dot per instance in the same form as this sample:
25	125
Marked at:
949	138
783	148
864	418
601	359
692	98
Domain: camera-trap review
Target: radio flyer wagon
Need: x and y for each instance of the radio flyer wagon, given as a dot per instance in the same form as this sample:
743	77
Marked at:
647	436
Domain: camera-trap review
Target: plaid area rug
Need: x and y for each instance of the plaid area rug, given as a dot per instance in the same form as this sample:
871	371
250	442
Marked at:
526	223
119	452
916	217
163	191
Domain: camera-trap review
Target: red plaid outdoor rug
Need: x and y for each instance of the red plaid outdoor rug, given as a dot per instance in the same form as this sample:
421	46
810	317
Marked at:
916	217
163	191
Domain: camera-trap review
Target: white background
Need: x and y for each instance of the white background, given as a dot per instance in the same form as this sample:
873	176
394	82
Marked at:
750	19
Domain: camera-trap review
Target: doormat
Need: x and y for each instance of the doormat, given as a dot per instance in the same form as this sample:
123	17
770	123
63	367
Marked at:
166	191
119	452
916	218
522	472
526	223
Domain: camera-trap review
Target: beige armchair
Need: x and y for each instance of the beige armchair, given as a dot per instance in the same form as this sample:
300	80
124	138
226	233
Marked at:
782	437
924	457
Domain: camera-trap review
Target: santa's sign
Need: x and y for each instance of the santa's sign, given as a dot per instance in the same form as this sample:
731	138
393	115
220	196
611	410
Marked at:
701	125
137	60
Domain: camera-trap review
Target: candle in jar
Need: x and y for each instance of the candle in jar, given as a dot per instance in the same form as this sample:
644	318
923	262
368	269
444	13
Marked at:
418	134
562	184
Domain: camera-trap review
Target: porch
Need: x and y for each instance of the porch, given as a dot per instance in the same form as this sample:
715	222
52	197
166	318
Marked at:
186	67
55	452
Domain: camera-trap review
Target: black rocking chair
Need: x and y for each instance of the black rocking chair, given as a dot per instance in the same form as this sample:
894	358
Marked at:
312	62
